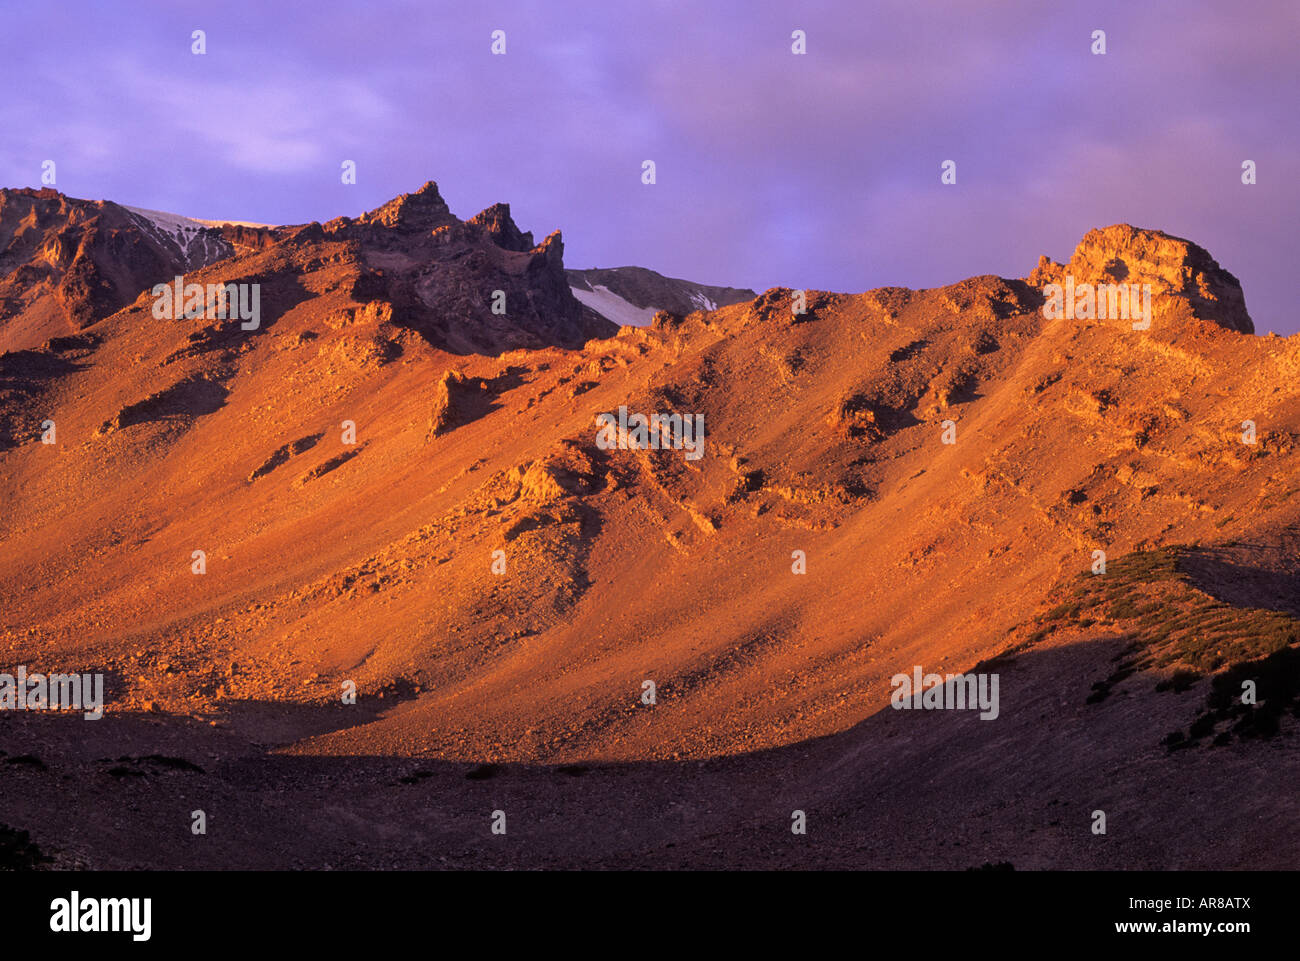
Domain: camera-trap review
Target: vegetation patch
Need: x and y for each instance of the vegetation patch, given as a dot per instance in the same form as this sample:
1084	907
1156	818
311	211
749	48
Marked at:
1174	627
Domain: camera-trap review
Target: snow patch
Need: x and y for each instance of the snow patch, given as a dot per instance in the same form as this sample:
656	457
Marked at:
613	307
194	243
702	302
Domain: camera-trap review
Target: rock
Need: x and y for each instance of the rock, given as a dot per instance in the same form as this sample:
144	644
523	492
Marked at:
1180	273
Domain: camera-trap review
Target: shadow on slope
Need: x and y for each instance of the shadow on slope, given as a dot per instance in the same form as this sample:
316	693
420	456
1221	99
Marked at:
903	789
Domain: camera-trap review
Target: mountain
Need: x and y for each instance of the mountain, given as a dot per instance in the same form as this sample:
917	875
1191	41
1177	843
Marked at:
65	263
394	487
630	296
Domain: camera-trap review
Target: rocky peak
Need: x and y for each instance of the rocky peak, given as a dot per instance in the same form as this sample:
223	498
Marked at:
67	263
551	251
1176	269
421	211
498	224
448	273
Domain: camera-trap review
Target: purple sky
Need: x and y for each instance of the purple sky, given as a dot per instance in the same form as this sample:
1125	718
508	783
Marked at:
818	171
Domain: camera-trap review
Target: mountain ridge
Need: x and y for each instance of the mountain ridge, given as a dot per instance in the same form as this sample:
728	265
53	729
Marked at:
394	487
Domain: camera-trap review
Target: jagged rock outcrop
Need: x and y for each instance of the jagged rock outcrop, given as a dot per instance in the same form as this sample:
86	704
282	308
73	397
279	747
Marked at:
496	221
1185	280
476	286
416	212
